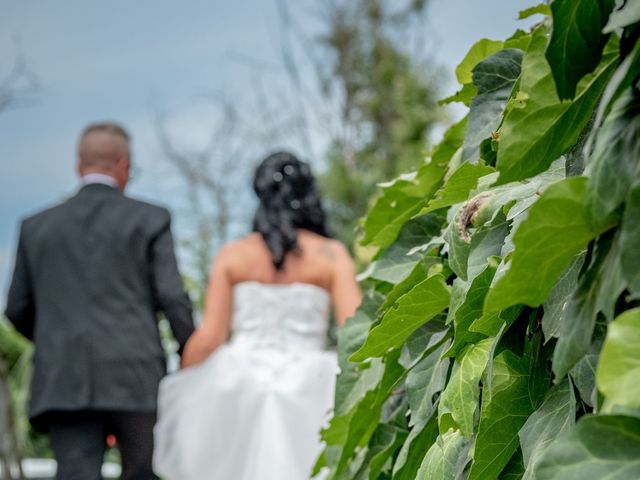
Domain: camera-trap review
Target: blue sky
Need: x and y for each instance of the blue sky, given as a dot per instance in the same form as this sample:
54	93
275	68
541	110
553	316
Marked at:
127	60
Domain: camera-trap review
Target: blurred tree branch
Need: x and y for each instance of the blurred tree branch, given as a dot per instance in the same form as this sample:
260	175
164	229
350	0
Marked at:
18	86
375	93
359	100
217	175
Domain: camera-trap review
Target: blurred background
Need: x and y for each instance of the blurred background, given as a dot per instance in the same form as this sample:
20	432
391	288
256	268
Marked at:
207	89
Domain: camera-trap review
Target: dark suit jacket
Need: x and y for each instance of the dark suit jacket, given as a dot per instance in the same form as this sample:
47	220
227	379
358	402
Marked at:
90	276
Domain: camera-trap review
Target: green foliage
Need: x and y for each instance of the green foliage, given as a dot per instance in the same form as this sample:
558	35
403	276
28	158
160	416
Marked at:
629	234
402	199
538	127
600	446
615	161
15	373
459	399
444	458
494	78
596	293
505	276
577	41
554	232
416	307
619	367
542	9
12	344
555	416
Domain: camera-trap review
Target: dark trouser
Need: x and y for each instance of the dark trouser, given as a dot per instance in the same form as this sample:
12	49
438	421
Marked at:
78	440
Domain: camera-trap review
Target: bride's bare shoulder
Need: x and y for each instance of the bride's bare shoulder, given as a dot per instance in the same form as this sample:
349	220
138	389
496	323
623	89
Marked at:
329	248
249	245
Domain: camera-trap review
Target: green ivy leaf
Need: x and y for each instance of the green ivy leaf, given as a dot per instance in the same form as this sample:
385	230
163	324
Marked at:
619	367
514	469
630	241
615	161
555	231
423	341
404	197
392	209
494	78
357	426
401	200
450	144
419	273
457	188
399	260
461	396
384	443
555	416
354	381
599	447
458	249
445	460
464	95
490	323
478	52
621	80
583	374
420	438
519	194
510	397
555	305
577	41
471	309
412	310
540	128
423	382
541	9
597	292
469	258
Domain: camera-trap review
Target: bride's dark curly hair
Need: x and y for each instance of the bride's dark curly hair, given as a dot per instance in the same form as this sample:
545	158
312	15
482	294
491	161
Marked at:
289	200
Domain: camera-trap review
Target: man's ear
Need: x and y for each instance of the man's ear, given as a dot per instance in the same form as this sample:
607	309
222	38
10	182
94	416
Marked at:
123	164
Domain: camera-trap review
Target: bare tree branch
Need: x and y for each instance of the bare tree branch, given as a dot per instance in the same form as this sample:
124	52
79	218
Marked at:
19	85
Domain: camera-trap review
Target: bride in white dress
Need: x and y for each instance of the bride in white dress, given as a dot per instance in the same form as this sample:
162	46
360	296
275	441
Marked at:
250	408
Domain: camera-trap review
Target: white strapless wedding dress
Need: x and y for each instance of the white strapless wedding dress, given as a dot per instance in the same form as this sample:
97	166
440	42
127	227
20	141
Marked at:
254	408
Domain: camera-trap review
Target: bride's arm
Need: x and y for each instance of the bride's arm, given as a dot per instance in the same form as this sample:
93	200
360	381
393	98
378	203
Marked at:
345	292
214	329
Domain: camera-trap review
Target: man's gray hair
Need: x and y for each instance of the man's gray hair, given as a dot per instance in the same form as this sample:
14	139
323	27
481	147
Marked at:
107	127
102	144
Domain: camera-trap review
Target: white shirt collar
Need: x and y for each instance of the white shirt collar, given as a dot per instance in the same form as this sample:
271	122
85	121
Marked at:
99	178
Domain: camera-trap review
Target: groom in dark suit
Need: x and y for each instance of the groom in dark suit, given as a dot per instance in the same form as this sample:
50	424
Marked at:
91	275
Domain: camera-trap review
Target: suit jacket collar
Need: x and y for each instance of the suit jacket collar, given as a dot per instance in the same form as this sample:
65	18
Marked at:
98	187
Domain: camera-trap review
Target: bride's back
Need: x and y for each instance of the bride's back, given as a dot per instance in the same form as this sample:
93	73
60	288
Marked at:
290	246
317	261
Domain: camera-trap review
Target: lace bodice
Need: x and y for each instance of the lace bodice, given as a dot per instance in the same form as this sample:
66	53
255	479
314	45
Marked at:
280	316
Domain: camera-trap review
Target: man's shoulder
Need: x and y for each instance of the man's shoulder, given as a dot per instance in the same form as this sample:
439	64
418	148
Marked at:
42	216
144	206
